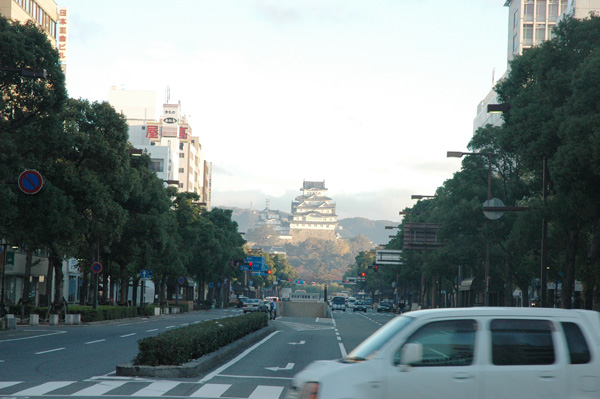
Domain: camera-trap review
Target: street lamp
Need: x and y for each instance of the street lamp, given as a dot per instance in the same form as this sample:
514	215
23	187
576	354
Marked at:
418	197
136	152
498	108
458	154
27	72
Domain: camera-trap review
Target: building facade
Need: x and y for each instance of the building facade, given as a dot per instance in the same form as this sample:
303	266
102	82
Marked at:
313	213
531	22
175	152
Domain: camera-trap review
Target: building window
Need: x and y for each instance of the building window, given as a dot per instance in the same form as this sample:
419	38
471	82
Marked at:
181	170
157	166
553	10
540	11
540	34
528	35
528	11
181	146
181	155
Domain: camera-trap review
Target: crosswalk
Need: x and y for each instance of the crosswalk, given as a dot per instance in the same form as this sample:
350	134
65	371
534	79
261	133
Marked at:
166	389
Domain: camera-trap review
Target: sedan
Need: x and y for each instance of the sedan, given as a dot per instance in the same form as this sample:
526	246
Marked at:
360	306
251	305
384	307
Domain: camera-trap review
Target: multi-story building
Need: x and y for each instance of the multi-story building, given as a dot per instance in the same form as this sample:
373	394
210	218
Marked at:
44	12
531	22
313	213
176	154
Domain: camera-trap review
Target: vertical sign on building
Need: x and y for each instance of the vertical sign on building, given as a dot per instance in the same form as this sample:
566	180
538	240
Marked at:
63	28
170	120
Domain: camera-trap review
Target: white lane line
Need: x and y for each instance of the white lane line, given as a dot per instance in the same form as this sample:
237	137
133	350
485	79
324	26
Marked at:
95	342
100	388
170	327
252	377
343	350
236	359
9	384
35	336
127	335
339	338
43	389
154	329
156	389
210	391
51	350
266	392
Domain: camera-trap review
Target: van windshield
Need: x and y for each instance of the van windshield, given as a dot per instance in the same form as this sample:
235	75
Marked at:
369	347
338	299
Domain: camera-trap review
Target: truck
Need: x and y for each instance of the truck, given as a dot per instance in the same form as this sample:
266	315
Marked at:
285	294
467	353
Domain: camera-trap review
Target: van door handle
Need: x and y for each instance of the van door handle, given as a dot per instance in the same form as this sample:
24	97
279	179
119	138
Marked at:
546	375
461	376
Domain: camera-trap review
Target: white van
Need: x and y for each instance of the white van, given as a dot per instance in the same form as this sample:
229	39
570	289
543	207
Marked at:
351	302
467	353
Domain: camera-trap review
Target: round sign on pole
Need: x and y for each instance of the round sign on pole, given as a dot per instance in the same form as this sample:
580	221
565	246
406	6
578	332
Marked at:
496	203
96	267
31	182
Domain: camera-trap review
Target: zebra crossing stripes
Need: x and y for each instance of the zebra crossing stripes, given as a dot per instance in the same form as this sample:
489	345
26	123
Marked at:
306	327
170	389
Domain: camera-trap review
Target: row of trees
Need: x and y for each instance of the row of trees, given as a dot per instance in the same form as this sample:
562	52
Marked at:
553	92
99	203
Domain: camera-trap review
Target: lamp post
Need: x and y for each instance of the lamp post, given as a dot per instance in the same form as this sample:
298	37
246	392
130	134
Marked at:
458	154
418	197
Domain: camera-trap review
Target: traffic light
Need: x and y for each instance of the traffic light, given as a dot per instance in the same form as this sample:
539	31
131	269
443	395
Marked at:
375	267
363	274
268	272
250	265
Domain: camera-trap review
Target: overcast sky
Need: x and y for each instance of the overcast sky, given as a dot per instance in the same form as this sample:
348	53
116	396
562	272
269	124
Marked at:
367	95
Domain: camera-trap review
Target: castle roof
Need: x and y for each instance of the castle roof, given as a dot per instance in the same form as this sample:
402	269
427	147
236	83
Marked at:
319	185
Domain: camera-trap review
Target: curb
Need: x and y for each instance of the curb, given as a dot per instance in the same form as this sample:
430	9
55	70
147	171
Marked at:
199	366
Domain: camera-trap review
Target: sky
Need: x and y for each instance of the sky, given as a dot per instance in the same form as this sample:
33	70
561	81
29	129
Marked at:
367	95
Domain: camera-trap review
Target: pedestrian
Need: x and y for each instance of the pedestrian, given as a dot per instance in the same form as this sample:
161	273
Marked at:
273	310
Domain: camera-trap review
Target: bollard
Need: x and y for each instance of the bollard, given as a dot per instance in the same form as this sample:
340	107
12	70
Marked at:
34	319
156	311
53	320
10	322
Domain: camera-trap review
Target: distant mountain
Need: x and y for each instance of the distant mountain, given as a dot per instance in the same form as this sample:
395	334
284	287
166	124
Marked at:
374	229
351	227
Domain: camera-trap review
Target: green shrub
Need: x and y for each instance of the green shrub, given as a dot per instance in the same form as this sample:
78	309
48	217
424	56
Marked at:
179	346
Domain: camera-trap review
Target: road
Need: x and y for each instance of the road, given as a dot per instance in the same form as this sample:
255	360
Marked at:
79	361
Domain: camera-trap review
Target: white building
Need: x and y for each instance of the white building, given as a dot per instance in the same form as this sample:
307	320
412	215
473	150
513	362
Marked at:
531	22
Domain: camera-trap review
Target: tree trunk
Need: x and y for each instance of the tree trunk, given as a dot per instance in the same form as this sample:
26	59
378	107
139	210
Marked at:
508	298
56	262
134	295
124	285
569	279
592	297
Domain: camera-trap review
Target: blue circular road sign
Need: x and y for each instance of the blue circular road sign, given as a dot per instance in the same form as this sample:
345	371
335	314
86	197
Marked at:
31	182
96	267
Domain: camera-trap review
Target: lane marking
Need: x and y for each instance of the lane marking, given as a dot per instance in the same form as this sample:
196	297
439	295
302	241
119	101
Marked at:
170	327
266	392
35	336
95	342
210	391
127	335
43	389
256	377
236	359
156	389
154	329
9	384
343	350
100	388
51	350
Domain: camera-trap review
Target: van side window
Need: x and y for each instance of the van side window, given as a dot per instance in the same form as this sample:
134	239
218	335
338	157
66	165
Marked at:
578	347
522	342
446	343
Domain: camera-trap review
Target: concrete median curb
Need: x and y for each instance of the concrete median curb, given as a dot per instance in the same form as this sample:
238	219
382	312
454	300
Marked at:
199	366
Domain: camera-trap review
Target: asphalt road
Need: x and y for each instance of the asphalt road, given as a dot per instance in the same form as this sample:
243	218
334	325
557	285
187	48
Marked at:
79	361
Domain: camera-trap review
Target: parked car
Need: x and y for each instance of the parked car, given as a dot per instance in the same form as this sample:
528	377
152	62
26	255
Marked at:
384	307
360	306
467	353
369	302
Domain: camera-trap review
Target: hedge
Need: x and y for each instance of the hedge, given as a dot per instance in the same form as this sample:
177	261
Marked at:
104	312
179	346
